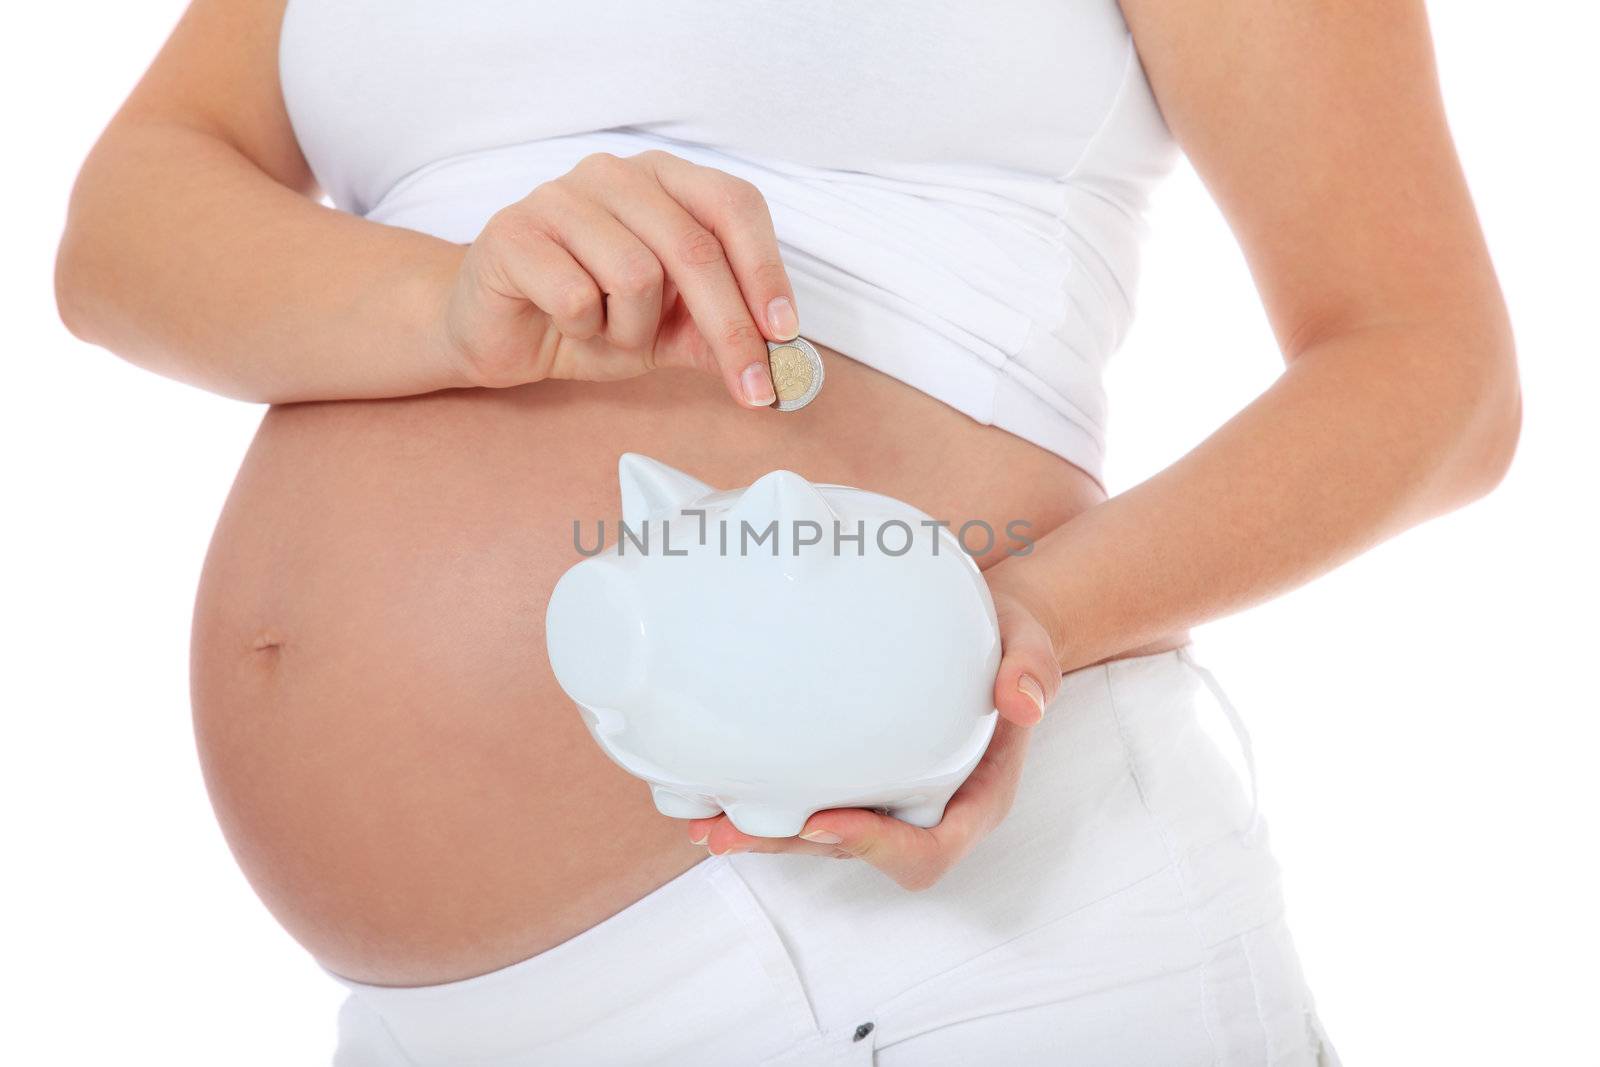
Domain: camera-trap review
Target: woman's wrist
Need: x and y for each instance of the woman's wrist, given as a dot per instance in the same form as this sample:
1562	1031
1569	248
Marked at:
1071	583
1014	578
436	297
400	341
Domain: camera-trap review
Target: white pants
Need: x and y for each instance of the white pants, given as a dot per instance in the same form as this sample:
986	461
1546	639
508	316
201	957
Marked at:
1126	912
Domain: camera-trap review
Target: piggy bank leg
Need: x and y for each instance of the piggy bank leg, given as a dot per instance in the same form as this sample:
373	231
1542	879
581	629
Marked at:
921	809
759	820
675	805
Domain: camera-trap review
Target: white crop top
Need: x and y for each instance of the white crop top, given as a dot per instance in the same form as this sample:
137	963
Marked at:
957	188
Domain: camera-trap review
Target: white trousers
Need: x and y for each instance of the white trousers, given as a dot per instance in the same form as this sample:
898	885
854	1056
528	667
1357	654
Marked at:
1127	912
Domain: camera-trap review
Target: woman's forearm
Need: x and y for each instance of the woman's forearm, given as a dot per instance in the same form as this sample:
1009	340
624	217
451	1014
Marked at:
182	256
1367	433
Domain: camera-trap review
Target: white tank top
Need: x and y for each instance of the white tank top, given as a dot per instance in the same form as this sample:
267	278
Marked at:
957	187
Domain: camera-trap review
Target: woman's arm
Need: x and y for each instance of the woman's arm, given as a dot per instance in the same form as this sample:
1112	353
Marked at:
1317	125
194	247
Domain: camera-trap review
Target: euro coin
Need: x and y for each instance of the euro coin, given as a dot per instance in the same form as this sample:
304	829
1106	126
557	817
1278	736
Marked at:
796	372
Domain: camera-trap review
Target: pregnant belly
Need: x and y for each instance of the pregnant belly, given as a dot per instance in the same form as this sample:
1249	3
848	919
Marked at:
390	758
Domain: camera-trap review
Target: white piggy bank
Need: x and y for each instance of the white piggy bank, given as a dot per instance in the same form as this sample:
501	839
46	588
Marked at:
745	651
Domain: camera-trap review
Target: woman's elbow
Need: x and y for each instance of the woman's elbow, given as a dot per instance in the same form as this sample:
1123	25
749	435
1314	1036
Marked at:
86	269
1503	438
1491	425
73	301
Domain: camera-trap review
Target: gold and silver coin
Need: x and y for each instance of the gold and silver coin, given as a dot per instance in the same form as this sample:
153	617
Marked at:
796	372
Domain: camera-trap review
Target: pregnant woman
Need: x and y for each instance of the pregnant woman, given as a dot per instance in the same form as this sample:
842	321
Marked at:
560	232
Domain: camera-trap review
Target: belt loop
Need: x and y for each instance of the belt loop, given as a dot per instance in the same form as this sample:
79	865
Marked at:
1237	722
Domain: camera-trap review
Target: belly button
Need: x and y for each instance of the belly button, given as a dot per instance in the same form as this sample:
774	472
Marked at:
267	641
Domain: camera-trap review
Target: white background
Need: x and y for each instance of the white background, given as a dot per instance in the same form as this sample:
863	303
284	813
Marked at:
1425	719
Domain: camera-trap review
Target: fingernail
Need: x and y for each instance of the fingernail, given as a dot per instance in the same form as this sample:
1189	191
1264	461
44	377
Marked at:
701	839
756	383
1033	691
822	837
781	319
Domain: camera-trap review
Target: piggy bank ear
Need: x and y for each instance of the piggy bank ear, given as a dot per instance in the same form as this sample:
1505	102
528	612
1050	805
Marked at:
650	488
799	510
781	495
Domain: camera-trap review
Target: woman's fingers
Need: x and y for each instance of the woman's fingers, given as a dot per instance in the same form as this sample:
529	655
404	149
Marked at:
650	257
625	271
736	212
694	258
720	837
513	264
917	858
914	857
986	795
1030	674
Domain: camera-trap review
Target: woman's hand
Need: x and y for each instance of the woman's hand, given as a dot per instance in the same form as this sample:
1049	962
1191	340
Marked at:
618	267
1027	681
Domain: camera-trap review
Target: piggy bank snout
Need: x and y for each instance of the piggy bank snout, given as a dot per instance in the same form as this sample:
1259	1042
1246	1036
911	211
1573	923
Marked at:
594	633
